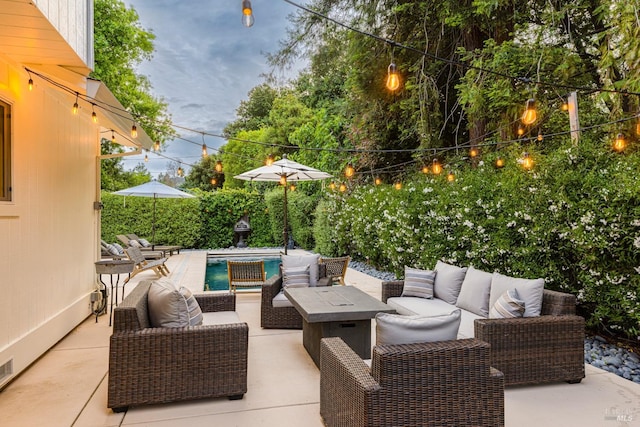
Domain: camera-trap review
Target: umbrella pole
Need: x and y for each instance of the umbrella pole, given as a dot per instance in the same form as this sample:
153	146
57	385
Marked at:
153	225
286	234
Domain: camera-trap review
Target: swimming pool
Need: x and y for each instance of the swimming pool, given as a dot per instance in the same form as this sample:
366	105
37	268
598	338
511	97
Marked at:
216	276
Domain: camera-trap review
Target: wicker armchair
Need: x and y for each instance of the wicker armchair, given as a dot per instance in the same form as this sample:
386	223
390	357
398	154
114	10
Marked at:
283	317
531	350
446	383
158	365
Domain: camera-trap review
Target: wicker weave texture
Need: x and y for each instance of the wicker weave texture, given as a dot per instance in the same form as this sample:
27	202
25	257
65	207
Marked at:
245	274
447	383
532	350
158	365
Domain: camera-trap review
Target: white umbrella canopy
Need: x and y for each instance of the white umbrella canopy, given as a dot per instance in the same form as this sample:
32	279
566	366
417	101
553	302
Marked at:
292	171
156	190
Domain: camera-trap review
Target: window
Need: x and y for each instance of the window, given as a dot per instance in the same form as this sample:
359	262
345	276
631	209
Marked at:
5	152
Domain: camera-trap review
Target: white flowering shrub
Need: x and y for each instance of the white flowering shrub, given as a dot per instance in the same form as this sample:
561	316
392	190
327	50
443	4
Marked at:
574	220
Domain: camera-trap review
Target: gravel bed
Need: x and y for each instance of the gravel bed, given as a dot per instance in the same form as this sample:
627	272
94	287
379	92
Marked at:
597	351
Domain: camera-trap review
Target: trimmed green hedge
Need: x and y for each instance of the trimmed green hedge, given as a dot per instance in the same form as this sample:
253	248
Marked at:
574	220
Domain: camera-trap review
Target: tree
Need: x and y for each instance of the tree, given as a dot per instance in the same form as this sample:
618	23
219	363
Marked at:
203	174
120	43
253	113
113	175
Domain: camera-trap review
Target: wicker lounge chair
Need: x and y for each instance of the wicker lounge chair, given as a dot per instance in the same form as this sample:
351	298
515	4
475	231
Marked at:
282	317
336	268
158	365
446	383
531	350
143	264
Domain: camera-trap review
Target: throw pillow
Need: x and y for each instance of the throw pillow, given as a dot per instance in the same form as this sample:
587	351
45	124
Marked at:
289	261
508	306
193	308
167	306
119	248
529	290
144	243
134	243
399	329
418	283
448	282
112	249
474	294
296	277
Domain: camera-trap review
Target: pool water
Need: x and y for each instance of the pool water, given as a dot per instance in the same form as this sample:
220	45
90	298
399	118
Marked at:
216	276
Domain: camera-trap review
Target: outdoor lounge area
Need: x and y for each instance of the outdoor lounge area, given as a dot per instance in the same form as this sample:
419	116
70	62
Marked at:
68	385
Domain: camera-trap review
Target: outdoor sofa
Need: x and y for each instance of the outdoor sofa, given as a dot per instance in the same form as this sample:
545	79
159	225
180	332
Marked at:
150	365
444	383
547	345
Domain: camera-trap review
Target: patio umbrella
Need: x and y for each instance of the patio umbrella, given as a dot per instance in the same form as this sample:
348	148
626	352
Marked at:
291	171
156	190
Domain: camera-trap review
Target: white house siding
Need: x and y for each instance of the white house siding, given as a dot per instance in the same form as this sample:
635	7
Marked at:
48	233
74	21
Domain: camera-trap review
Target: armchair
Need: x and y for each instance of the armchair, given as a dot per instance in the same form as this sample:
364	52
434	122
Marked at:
445	383
157	365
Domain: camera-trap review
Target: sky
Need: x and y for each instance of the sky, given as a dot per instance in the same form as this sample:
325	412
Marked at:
205	63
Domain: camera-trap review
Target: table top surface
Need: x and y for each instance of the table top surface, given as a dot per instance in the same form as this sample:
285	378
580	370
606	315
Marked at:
335	303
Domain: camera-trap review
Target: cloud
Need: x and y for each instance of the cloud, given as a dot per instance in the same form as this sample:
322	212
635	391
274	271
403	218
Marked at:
206	62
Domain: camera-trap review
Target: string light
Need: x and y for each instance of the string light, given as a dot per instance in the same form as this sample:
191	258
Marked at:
218	166
156	145
540	136
332	185
393	79
530	115
499	162
134	131
247	14
526	161
76	107
283	180
565	105
425	169
473	152
349	171
451	177
94	116
204	151
520	130
146	158
343	187
398	185
638	126
292	187
269	160
180	171
214	181
619	143
436	167
113	136
30	83
377	181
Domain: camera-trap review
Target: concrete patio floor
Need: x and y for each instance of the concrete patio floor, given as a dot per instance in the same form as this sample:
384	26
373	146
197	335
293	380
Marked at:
67	385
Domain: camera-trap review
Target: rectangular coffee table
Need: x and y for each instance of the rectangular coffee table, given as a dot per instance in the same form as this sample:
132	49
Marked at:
336	311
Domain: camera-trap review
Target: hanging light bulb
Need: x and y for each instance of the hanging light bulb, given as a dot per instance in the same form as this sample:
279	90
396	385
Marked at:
540	136
332	185
292	187
565	105
283	180
378	181
76	107
247	14
425	169
520	130
113	137
398	185
218	166
526	161
269	160
94	116
530	115
214	181
620	143
343	187
638	126
146	158
156	146
349	171
451	177
393	78
134	131
180	171
499	162
30	84
436	167
204	151
473	152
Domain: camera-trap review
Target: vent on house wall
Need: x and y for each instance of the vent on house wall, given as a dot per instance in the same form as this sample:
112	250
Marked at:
6	371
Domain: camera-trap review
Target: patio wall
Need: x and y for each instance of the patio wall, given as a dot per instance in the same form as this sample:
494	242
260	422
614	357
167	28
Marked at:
49	230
